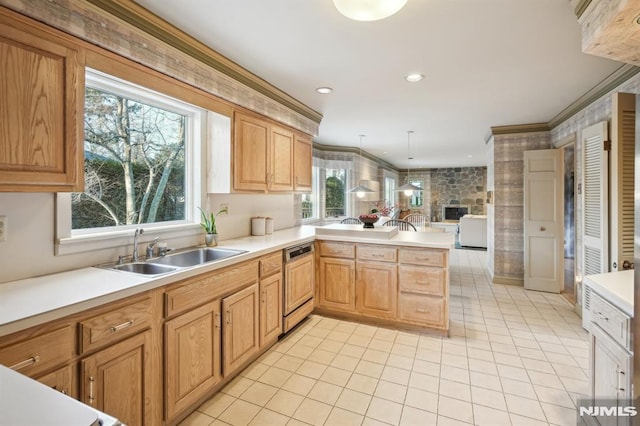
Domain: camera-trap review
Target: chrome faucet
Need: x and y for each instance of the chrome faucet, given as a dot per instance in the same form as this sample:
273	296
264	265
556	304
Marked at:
134	256
151	247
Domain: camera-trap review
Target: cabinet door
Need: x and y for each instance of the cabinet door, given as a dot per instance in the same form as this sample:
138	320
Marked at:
192	356
270	309
281	160
241	328
302	163
299	282
116	380
250	153
377	289
337	284
41	95
62	380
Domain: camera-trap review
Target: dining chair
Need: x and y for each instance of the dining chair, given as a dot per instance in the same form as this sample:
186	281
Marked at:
418	220
351	221
402	225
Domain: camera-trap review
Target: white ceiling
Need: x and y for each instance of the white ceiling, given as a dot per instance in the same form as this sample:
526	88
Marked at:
486	63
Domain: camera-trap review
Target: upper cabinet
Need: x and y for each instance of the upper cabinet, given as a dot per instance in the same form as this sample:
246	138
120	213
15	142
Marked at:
41	96
268	157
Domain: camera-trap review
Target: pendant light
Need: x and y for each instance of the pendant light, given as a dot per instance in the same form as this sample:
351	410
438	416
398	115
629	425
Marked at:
360	190
368	10
408	187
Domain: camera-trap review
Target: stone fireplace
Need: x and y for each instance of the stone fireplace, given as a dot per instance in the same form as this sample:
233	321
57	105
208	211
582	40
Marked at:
453	212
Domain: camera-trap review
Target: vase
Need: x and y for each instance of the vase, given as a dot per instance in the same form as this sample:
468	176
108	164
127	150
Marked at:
211	240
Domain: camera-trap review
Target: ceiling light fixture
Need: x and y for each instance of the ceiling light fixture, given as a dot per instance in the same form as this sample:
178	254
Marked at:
368	10
324	90
360	190
408	187
414	78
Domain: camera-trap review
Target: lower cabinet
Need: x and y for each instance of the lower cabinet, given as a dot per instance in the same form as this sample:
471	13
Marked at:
337	284
192	356
116	380
241	328
63	380
270	309
377	289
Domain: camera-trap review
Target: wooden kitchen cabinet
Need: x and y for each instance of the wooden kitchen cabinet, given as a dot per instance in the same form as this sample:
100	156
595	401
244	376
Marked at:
263	155
63	380
240	329
302	163
192	356
299	279
337	284
376	289
41	102
270	309
117	380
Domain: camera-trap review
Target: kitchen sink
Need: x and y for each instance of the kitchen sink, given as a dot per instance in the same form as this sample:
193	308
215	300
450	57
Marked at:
145	268
195	257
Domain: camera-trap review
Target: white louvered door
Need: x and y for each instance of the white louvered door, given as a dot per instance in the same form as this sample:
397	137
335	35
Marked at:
595	202
623	119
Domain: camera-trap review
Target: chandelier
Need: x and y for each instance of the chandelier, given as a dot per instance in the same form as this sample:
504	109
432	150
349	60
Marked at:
408	187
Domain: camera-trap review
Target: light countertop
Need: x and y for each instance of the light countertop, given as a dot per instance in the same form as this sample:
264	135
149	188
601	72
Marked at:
33	301
615	287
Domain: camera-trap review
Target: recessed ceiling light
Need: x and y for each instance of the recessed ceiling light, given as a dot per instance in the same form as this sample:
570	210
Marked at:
469	155
412	78
324	90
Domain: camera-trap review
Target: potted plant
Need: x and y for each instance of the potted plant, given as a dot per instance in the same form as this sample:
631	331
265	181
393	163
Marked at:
208	223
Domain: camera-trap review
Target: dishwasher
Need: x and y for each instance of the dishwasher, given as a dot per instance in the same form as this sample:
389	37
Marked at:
298	284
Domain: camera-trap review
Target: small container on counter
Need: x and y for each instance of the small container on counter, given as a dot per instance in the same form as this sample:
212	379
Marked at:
258	225
268	225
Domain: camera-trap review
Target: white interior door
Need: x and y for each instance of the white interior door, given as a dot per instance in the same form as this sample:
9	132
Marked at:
595	200
543	220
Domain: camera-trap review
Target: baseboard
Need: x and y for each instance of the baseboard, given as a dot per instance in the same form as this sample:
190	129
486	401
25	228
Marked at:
508	281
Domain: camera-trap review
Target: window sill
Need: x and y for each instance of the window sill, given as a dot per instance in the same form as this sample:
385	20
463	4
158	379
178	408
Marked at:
101	241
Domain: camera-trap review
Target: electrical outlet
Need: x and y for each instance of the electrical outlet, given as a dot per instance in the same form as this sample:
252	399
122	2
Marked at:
3	228
224	208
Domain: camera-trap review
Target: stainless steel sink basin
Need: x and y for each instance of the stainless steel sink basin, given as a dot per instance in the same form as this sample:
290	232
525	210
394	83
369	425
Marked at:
196	257
145	268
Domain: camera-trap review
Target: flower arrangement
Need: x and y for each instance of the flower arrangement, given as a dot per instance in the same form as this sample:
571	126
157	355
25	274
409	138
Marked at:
208	222
384	208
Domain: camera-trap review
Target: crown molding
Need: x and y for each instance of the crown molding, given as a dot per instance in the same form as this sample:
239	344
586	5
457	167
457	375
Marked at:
520	128
157	27
614	80
581	7
353	150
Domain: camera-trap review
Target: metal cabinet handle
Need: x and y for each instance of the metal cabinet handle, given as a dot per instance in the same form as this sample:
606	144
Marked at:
229	317
91	398
264	296
26	363
542	228
119	327
620	374
217	316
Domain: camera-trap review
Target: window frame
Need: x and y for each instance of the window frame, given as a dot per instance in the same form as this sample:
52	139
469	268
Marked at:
70	241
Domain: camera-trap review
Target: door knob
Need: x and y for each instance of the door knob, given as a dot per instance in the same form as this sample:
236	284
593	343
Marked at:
542	228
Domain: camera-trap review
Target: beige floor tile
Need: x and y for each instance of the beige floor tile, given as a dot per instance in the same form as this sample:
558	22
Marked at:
385	411
514	373
455	390
299	384
457	361
254	371
422	399
331	346
359	340
364	384
351	400
300	351
312	412
515	387
447	421
403	350
454	374
484	416
237	386
430	342
390	391
336	376
560	359
570	372
537	365
216	405
275	376
270	357
400	361
396	375
575	386
408	339
347	327
338	336
386	334
370	369
426	367
341	417
554	396
455	409
311	369
481	366
284	402
488	398
321	356
505	359
479	354
373	355
414	417
365	330
240	413
312	341
197	419
319	332
428	355
352	350
325	392
424	382
524	407
532	353
268	417
258	393
345	362
548	380
380	345
368	421
517	420
218	422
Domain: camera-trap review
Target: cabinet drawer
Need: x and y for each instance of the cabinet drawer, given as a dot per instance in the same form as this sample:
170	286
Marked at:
270	264
331	249
115	325
422	280
377	253
428	310
41	353
199	290
428	257
611	320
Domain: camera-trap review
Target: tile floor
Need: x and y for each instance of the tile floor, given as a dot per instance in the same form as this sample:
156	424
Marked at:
514	357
